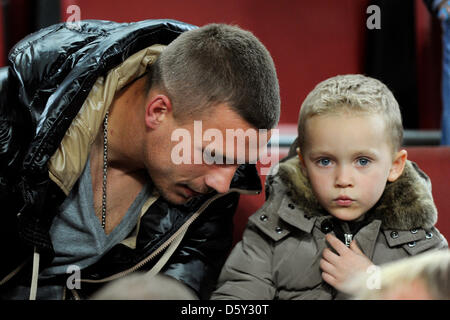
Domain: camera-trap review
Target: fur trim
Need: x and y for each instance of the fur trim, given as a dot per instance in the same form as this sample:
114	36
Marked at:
406	203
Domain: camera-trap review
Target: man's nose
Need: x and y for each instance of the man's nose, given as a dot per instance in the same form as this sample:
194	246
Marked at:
220	178
344	178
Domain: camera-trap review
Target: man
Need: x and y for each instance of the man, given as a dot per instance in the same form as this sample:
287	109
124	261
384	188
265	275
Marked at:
88	180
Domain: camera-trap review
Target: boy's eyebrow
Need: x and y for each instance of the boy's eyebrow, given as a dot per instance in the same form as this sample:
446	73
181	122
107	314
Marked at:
366	152
317	153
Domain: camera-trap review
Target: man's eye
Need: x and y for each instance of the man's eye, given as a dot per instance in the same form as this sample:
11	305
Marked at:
209	156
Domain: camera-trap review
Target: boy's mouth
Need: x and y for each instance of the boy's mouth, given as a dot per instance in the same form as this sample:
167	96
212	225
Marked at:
343	201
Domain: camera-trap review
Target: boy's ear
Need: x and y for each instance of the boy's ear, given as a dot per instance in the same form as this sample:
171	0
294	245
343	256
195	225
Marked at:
156	110
398	165
302	161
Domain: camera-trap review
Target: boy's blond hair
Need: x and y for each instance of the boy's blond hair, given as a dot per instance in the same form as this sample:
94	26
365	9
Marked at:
350	94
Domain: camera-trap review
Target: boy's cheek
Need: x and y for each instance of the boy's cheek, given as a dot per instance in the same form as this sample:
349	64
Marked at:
319	177
320	185
375	181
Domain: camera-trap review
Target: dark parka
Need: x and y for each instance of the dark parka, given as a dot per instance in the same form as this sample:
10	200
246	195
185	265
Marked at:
49	75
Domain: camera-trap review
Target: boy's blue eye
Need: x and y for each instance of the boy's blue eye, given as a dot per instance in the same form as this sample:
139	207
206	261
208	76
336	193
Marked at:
363	161
324	162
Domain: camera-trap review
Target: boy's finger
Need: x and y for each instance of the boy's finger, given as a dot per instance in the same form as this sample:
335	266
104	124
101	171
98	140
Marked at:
328	278
355	248
330	256
336	244
326	266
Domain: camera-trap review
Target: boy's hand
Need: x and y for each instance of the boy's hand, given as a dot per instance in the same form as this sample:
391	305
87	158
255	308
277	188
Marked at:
336	269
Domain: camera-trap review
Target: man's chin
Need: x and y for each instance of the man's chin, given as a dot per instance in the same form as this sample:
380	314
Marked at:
173	195
174	198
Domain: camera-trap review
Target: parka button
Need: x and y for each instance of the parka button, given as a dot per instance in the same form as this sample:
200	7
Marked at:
429	235
412	244
278	230
291	206
414	231
263	217
394	234
326	226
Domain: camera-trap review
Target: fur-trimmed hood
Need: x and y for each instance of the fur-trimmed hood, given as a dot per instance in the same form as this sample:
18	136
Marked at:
406	203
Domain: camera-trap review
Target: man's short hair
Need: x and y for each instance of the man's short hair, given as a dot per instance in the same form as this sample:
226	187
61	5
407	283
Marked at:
353	94
215	64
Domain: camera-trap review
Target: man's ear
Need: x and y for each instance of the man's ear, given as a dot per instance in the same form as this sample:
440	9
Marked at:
398	165
157	109
302	161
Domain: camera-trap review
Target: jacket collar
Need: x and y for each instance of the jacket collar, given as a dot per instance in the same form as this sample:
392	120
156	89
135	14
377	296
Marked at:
405	204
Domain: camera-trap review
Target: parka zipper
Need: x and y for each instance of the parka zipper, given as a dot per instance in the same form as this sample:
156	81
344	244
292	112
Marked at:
170	240
348	236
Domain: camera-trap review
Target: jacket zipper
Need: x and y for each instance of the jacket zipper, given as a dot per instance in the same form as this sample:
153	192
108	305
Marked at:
348	237
168	241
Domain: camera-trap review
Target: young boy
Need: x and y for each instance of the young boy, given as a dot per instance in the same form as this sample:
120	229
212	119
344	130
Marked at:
350	199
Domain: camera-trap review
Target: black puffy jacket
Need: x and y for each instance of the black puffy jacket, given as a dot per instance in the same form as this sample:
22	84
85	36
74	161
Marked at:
48	77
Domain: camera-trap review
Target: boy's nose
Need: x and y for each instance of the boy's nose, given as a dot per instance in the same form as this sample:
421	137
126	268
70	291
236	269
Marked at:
220	178
343	177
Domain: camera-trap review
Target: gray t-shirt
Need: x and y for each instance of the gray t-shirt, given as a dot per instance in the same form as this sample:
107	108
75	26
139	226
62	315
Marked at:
78	237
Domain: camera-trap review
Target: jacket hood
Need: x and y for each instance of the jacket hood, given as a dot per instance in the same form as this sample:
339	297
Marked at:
405	204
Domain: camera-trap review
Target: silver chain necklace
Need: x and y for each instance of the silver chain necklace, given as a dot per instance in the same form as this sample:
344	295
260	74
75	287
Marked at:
105	167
